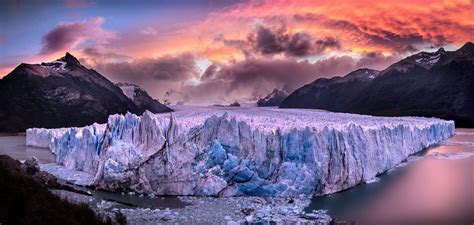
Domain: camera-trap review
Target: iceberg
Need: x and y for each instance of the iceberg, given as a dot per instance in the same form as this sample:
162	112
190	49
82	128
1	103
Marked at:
246	151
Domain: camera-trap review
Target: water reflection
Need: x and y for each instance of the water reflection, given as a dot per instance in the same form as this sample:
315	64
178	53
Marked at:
15	146
428	191
433	190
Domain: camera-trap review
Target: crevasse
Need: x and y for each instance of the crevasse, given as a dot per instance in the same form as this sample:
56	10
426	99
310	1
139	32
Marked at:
241	151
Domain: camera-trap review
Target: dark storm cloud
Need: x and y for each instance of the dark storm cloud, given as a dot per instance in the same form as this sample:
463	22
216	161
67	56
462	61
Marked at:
61	37
267	41
66	36
271	41
376	60
299	45
328	42
166	77
95	56
166	68
160	77
257	77
274	41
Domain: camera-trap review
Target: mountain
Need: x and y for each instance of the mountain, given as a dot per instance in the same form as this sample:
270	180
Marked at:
61	93
330	94
272	99
141	98
437	84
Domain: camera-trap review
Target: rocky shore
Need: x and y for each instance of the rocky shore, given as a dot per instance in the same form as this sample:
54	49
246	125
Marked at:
26	198
196	210
210	210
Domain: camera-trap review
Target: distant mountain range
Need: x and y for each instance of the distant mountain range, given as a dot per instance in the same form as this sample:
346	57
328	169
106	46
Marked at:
438	84
64	93
273	99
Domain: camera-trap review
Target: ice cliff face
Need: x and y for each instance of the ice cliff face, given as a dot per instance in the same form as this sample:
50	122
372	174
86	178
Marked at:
241	151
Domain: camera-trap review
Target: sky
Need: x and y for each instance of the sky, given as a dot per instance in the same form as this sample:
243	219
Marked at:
217	52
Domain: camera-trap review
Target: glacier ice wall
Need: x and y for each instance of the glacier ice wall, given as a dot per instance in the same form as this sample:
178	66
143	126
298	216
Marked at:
41	137
242	151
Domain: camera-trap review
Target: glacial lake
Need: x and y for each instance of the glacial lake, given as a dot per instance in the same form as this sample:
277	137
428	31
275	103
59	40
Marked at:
15	146
435	186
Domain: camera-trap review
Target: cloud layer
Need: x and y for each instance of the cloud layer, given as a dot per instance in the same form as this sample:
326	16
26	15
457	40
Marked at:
269	42
67	36
177	78
250	47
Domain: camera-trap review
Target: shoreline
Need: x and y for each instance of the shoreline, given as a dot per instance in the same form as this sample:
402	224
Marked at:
213	210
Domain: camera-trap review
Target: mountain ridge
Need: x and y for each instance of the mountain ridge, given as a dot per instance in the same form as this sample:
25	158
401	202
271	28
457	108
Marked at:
431	84
273	99
141	98
61	93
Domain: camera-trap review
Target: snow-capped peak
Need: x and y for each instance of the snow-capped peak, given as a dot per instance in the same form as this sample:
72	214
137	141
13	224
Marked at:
441	50
422	59
129	90
363	74
273	99
427	60
70	59
276	92
60	64
54	65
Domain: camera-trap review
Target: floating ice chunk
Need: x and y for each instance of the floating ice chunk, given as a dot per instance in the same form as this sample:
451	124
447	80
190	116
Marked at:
464	133
73	176
373	180
450	156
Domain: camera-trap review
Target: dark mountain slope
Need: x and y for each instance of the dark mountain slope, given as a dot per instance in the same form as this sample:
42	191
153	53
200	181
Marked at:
61	93
141	98
330	94
273	99
438	84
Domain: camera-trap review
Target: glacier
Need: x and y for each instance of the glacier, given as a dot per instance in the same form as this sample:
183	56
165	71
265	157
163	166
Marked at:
224	151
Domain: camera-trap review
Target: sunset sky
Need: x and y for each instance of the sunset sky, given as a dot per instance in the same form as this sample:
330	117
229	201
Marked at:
206	52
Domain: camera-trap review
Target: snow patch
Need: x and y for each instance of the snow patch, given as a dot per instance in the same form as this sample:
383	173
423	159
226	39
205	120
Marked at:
427	60
55	65
128	91
373	180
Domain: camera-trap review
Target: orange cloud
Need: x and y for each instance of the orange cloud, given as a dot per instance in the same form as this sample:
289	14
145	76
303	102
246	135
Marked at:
394	28
360	25
397	27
